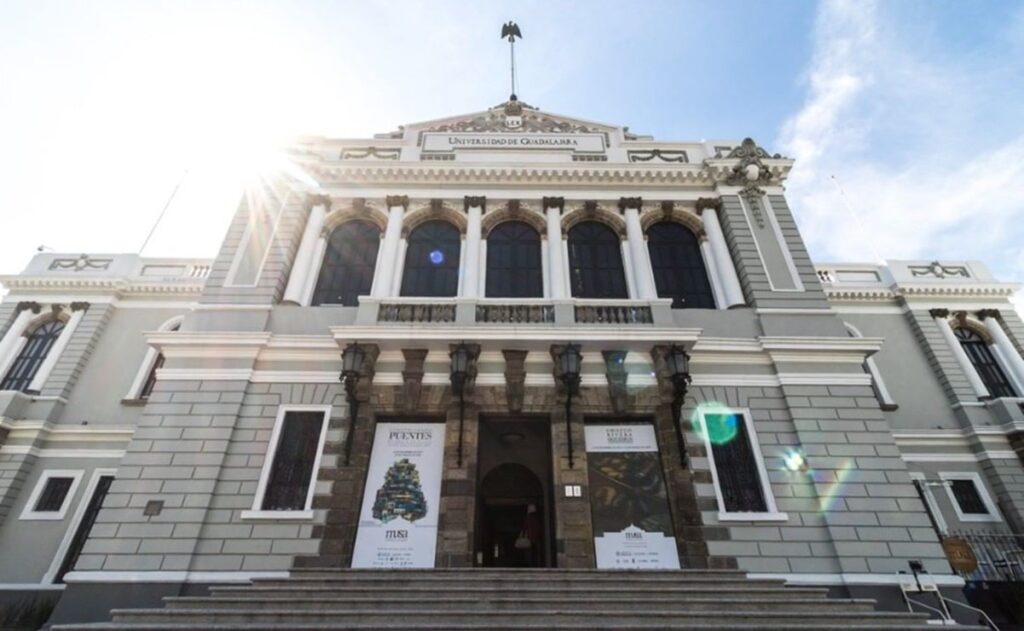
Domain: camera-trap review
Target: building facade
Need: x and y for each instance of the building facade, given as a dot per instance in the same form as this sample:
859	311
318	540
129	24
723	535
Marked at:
510	338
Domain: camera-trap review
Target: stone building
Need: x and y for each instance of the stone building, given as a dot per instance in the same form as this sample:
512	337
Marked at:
510	338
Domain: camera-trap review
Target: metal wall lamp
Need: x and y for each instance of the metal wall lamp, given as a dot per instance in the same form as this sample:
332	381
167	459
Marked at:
353	359
569	361
678	363
460	357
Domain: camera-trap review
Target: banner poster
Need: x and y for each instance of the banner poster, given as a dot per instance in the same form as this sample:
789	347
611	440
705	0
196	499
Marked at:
632	524
399	517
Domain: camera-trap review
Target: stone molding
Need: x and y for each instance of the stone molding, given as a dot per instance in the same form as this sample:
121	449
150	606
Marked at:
593	211
318	200
515	378
474	201
435	210
630	202
553	202
397	200
412	377
514	210
357	210
669	212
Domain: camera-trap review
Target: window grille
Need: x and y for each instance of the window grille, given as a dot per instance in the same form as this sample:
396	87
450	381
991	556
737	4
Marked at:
735	465
968	497
595	260
985	363
514	262
432	261
51	500
292	469
678	266
31	357
348	266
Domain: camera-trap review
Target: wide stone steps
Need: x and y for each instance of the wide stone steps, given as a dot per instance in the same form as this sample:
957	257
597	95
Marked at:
511	600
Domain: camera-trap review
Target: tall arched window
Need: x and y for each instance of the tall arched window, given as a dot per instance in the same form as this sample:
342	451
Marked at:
432	261
30	358
678	266
513	262
595	262
984	362
347	270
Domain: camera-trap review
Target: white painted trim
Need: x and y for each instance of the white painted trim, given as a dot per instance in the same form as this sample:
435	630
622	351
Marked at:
943	580
169	577
876	375
974	477
28	513
566	266
627	269
945	457
1007	367
399	271
212	374
275	437
75	523
150	358
319	252
712	273
21	450
929	500
59	345
745	208
772	513
545	270
786	254
229	279
28	587
295	376
276	515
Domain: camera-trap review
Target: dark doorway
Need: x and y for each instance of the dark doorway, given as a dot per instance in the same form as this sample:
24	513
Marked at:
84	527
515	502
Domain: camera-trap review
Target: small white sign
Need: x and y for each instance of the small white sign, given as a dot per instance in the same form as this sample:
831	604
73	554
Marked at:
588	143
620	438
634	549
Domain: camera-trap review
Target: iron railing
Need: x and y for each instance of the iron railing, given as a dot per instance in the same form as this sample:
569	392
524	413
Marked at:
1000	555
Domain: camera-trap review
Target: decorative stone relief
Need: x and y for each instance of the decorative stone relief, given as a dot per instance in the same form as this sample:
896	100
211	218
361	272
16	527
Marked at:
988	313
412	377
474	201
938	313
938	270
708	202
79	306
615	371
80	264
661	155
630	202
319	200
397	200
752	195
553	202
370	152
750	170
32	306
515	378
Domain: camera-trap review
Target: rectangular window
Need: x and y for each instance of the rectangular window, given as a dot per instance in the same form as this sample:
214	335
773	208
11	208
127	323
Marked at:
289	473
969	497
52	495
737	468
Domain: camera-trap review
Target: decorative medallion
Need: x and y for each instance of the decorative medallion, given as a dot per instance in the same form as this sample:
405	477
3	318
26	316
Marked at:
82	263
661	155
938	270
370	152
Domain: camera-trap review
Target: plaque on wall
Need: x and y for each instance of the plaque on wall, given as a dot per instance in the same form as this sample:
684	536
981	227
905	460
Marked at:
399	516
632	523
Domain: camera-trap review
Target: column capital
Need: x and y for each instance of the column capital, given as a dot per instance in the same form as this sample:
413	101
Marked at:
79	306
983	314
474	201
938	313
28	305
553	202
714	203
318	200
397	200
630	202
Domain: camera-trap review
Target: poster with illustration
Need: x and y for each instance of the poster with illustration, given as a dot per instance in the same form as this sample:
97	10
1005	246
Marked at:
628	502
399	517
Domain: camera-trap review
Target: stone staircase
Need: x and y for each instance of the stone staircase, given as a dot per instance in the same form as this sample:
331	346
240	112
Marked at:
489	600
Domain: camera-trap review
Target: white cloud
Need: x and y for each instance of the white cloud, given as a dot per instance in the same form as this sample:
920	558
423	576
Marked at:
907	130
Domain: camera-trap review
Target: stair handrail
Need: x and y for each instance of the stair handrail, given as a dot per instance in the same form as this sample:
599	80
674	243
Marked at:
988	621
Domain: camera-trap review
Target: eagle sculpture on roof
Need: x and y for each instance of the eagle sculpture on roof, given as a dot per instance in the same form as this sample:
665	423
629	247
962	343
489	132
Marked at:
511	30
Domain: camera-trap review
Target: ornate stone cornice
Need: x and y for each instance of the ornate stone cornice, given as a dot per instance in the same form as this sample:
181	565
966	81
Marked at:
474	201
397	200
553	202
714	203
319	200
630	202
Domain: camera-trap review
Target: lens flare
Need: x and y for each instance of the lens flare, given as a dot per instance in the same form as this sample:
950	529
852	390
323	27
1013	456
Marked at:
436	257
834	490
720	425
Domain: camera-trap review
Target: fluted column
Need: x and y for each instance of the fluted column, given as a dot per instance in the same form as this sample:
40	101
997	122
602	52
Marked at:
643	276
732	293
389	251
474	213
305	259
1015	365
709	264
941	317
12	341
78	310
556	264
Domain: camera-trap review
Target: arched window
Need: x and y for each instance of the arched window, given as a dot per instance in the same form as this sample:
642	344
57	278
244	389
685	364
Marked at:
513	262
678	266
30	358
432	261
595	262
158	363
984	362
347	271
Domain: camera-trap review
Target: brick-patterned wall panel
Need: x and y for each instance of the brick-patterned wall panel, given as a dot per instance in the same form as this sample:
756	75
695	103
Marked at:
80	347
940	357
14	470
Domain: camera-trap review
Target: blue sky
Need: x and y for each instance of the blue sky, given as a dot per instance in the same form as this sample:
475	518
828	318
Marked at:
914	107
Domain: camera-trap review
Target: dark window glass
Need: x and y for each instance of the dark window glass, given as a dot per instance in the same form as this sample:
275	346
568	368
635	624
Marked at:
54	493
32	354
158	363
595	262
678	266
432	261
984	362
735	465
292	470
85	527
513	262
349	262
967	496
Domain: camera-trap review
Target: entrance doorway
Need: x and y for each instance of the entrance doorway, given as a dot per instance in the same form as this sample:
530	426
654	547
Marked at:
514	521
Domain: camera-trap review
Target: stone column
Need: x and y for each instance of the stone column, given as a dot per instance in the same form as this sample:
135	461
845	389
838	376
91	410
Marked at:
722	260
556	266
305	263
709	265
471	280
941	317
643	277
77	312
389	252
1007	350
12	341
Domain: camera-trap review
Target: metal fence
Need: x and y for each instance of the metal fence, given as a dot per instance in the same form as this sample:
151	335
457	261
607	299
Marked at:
1000	555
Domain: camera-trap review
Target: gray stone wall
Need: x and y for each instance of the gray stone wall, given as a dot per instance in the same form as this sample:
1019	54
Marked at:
940	357
76	354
